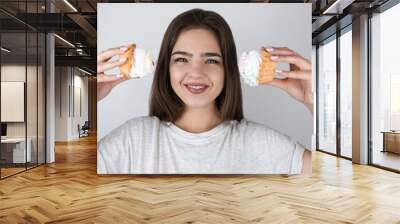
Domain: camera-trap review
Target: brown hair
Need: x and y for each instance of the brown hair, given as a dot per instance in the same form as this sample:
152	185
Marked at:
164	103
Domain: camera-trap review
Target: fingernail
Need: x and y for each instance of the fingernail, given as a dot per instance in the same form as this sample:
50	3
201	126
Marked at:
274	57
122	59
123	49
280	73
269	49
119	76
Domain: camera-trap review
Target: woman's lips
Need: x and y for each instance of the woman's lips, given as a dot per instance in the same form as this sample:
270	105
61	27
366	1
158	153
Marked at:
196	88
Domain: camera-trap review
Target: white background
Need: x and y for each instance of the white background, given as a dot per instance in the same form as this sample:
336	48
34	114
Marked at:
253	25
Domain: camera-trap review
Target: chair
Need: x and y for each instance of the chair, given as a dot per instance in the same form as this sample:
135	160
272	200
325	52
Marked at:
84	130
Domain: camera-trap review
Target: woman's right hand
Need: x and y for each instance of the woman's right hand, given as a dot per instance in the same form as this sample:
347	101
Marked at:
105	83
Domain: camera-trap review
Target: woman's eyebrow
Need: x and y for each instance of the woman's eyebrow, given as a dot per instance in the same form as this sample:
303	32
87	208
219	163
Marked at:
207	54
183	53
210	54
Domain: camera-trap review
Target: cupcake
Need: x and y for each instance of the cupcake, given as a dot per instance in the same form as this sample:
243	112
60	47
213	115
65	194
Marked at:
138	63
256	67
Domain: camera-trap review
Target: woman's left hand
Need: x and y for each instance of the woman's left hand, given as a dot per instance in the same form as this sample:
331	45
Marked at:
298	82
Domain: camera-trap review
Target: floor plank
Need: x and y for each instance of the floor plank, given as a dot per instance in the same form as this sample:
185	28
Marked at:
70	191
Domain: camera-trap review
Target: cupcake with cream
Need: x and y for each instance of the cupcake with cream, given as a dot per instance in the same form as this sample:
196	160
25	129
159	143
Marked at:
138	63
256	67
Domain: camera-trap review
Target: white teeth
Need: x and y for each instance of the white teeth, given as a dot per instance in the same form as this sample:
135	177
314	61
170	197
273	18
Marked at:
196	87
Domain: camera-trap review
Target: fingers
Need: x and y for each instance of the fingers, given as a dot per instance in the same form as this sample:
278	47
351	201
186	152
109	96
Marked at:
107	54
296	74
284	54
280	51
101	67
108	78
297	60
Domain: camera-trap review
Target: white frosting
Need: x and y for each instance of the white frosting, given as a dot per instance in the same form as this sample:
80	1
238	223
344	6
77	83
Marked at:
142	63
249	64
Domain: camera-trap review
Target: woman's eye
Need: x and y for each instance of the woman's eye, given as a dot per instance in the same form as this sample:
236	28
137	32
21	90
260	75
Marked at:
212	61
180	60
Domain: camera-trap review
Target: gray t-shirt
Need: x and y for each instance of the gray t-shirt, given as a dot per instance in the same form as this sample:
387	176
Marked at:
146	145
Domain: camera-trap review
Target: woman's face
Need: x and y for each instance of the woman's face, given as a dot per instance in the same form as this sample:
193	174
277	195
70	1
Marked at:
196	68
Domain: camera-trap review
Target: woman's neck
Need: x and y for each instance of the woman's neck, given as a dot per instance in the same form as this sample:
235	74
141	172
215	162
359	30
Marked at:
197	120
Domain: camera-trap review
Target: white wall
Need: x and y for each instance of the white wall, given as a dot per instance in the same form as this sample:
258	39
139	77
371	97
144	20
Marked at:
68	81
12	73
253	25
61	103
79	117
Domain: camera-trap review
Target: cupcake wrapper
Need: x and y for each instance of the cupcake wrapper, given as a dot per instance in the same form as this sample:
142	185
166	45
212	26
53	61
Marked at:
128	65
267	68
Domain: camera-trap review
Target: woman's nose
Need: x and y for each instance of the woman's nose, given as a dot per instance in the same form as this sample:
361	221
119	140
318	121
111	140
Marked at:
196	69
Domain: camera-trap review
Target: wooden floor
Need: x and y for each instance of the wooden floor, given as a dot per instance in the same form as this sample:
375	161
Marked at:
5	172
10	171
70	191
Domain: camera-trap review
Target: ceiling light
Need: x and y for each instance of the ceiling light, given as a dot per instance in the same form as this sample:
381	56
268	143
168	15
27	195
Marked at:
65	41
5	50
70	5
329	9
338	6
86	72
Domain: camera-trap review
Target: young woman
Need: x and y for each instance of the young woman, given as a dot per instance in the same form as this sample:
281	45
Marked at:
196	122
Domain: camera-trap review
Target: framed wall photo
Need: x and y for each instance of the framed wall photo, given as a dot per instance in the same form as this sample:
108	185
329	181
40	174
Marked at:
252	24
12	101
199	88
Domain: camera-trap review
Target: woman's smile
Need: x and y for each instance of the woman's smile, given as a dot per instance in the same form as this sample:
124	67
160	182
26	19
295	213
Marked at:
196	88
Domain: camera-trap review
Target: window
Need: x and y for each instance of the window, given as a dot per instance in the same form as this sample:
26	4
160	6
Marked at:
22	68
385	89
327	96
346	93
